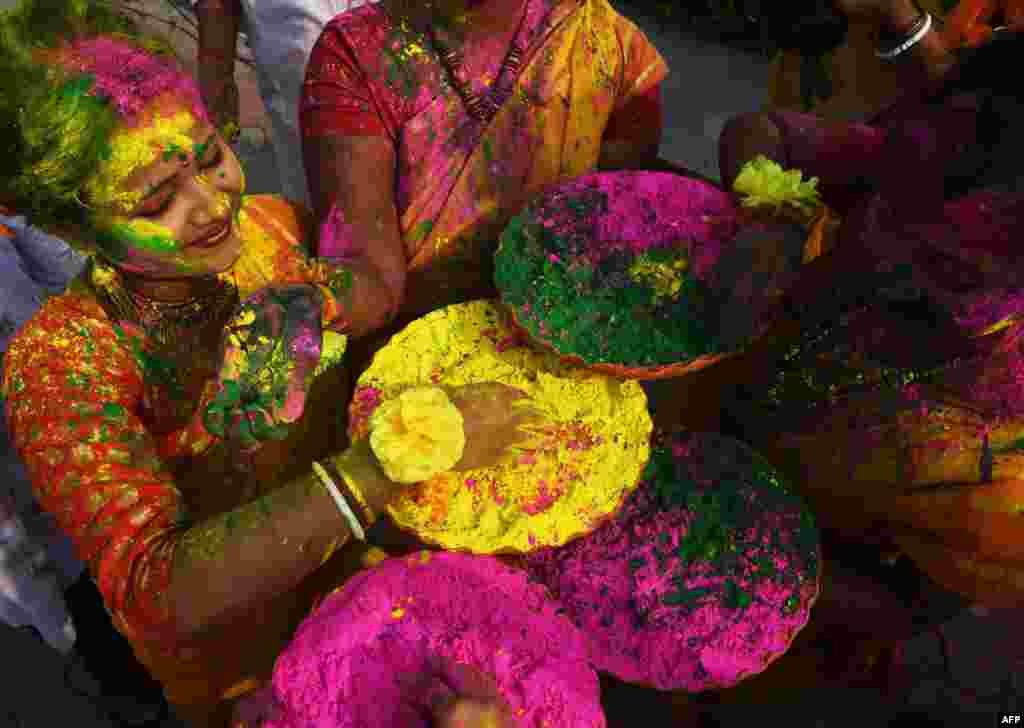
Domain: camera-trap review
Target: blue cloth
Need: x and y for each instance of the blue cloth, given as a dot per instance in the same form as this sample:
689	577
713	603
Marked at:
37	561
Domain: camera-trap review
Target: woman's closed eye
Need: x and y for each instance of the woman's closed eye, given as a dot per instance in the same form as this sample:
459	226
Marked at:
212	157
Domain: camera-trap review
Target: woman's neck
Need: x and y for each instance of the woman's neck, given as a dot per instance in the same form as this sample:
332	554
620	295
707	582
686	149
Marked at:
490	17
169	290
464	19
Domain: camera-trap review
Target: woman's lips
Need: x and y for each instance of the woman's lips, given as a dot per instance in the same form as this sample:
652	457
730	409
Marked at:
212	240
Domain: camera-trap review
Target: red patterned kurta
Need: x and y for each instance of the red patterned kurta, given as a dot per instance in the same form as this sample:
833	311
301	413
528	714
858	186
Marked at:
124	481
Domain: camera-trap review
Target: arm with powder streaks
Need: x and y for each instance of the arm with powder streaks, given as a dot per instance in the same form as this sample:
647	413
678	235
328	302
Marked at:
360	222
73	390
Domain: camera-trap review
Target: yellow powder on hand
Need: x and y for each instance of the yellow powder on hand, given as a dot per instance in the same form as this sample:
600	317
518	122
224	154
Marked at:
579	472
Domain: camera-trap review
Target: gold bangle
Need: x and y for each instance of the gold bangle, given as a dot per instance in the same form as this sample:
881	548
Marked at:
360	499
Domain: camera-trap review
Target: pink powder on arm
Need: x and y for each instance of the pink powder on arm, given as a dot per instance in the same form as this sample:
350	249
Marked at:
337	239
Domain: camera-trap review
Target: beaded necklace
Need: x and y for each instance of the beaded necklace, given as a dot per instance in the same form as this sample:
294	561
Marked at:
483	107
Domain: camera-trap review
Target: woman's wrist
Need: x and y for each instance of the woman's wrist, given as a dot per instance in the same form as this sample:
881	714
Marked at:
899	18
363	476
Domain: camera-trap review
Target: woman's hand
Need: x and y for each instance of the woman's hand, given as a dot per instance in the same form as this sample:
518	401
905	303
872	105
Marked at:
474	701
495	418
272	348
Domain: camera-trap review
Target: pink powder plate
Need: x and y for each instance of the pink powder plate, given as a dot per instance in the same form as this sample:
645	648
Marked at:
703	579
374	653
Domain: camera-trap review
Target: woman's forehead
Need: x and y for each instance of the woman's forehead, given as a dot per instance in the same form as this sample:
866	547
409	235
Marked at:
139	152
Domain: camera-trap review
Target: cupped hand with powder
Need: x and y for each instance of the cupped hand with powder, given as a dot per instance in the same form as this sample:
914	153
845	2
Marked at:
271	350
496	418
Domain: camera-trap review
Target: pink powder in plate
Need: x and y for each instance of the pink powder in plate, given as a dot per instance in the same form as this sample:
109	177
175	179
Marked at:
714	618
644	210
375	653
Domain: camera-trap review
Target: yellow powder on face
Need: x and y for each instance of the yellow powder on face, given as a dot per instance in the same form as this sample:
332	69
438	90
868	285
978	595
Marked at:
135	148
577	473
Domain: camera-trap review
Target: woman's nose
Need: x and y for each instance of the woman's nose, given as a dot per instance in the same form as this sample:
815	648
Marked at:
209	203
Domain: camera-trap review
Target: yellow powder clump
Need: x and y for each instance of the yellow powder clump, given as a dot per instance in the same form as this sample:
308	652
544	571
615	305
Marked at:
588	461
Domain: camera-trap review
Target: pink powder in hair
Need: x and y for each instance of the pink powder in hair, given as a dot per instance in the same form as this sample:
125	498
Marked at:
129	76
714	618
377	651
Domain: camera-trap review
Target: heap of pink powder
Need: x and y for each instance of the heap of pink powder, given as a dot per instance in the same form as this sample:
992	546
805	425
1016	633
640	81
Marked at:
656	619
644	210
376	653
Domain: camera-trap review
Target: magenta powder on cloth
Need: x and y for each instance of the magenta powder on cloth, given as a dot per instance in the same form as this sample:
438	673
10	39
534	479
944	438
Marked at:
380	649
704	577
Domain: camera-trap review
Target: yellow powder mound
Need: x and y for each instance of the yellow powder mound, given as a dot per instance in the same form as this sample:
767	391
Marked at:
574	476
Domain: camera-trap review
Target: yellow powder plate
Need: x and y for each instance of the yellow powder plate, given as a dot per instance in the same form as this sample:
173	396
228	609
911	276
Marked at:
563	487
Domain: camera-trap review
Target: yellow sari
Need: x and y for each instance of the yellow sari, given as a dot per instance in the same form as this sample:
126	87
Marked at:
459	183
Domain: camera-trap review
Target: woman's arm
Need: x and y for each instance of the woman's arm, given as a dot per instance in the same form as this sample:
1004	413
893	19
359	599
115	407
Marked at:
929	60
219	23
633	135
71	392
265	548
352	181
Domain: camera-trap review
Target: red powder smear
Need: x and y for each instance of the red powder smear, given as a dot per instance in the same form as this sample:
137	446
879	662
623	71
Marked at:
375	653
649	210
129	77
637	637
364	401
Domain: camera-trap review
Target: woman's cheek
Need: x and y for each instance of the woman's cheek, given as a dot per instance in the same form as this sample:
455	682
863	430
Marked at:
143	245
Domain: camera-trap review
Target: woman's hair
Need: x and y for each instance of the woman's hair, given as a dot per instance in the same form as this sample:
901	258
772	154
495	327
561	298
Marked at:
71	72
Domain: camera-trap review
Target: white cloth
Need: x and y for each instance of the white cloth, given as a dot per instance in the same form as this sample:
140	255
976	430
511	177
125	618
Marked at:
281	35
37	561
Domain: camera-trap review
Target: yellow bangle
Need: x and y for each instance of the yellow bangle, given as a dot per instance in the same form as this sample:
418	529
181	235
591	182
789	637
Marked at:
347	467
358	497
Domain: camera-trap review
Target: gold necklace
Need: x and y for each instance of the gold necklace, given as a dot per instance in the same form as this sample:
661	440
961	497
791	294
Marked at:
166	323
